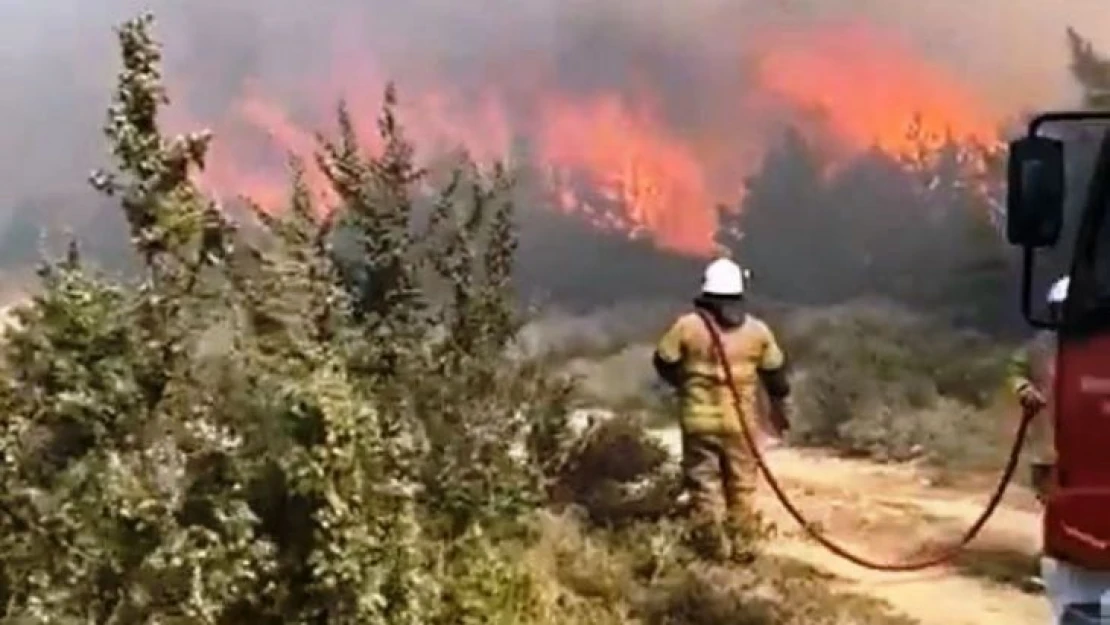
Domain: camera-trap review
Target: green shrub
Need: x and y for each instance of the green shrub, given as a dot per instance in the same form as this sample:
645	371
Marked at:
245	436
618	474
877	380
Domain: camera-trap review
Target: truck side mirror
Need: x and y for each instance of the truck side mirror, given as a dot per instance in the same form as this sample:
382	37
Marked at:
1035	198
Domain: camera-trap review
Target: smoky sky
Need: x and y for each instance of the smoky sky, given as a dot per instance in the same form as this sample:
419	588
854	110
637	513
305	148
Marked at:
57	57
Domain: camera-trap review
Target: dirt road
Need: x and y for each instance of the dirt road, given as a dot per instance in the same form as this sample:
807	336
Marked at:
891	513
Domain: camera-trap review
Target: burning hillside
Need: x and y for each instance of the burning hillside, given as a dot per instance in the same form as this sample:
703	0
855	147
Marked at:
869	89
644	152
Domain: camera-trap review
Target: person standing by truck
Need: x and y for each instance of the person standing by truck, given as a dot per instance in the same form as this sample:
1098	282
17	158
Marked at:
1032	372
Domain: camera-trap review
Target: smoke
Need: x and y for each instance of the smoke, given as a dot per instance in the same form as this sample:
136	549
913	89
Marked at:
659	108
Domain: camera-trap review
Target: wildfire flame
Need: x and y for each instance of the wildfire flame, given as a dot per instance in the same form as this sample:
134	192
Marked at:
633	163
870	89
615	157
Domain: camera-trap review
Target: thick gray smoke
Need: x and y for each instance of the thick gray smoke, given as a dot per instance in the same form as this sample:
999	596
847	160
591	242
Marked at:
695	56
58	55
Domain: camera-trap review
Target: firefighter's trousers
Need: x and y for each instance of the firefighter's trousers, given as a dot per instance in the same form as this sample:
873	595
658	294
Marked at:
720	474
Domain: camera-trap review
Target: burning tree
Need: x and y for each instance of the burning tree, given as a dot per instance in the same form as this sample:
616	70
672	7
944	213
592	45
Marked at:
920	229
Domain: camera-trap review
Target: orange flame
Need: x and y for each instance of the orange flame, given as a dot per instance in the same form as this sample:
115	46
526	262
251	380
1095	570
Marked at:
632	162
614	158
871	89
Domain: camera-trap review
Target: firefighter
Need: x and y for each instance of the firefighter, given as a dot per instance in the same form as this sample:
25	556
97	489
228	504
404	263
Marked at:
719	469
1032	370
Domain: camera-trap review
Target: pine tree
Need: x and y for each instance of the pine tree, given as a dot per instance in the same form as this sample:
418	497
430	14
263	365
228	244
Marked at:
221	443
1091	69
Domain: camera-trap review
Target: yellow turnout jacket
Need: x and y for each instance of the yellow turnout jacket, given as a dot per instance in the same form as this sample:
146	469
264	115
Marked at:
707	406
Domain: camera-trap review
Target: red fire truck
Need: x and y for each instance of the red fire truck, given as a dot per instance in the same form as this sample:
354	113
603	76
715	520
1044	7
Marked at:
1060	171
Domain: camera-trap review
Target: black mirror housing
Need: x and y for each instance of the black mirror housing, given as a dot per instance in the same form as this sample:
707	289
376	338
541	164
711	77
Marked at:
1035	197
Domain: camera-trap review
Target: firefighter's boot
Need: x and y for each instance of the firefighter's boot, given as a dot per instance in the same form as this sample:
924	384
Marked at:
709	540
744	534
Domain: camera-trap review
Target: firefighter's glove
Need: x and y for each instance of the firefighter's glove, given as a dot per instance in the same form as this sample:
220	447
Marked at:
1030	398
669	372
1041	478
779	415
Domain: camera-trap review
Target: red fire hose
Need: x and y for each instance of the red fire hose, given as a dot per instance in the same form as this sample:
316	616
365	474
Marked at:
941	557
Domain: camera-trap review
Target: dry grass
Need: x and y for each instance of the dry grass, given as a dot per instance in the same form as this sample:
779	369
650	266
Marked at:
643	575
617	554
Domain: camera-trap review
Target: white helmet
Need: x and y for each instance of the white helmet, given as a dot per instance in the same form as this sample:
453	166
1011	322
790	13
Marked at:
723	277
1059	291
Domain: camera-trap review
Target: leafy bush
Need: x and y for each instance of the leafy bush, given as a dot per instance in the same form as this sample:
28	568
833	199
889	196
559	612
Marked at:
618	474
874	379
246	436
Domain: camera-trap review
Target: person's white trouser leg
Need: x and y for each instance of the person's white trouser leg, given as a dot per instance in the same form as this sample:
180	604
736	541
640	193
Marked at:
1066	585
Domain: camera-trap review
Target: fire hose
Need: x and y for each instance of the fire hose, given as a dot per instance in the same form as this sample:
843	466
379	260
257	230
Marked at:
942	557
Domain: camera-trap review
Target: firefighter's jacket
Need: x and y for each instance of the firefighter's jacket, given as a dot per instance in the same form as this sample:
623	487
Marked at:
1035	364
707	405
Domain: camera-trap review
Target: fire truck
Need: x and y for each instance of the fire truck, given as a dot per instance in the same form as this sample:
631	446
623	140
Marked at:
1057	207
